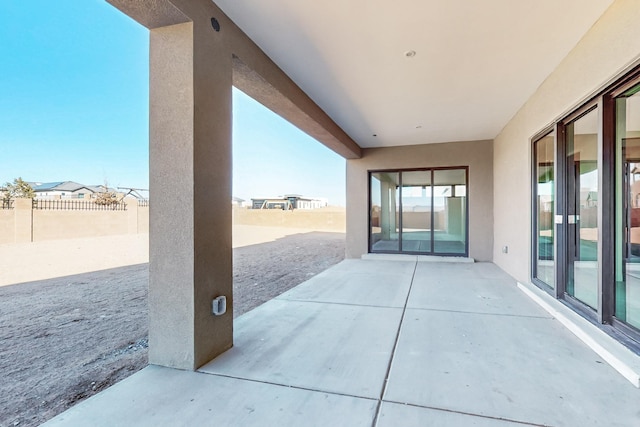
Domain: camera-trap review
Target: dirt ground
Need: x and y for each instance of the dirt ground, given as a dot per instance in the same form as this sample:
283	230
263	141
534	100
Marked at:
65	339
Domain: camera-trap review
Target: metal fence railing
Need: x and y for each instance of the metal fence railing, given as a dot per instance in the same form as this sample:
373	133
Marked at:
6	204
77	205
143	203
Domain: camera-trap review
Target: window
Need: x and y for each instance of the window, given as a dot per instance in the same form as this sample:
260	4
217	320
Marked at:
627	231
544	205
582	174
384	232
586	209
420	211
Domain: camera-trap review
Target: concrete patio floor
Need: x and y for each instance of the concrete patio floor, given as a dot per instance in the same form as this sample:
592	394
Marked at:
384	343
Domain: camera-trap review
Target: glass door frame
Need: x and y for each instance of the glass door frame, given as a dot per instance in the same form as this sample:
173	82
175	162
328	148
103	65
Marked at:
604	309
609	100
604	313
534	209
401	213
605	160
432	171
562	212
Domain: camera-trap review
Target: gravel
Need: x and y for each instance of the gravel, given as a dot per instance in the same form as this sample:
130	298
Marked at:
67	338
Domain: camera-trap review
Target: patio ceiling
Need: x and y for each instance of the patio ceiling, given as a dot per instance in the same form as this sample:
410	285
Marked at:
475	63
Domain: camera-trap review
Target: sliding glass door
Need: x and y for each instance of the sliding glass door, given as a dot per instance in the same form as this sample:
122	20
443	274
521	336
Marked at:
450	203
627	264
582	195
419	211
383	212
586	208
544	204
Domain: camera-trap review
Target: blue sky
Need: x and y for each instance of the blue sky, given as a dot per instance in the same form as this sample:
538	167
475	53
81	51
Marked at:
74	106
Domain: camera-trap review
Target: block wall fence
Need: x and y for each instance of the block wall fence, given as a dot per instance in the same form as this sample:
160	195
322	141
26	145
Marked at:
323	219
22	223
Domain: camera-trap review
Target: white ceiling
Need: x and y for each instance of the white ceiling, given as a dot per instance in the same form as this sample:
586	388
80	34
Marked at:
476	62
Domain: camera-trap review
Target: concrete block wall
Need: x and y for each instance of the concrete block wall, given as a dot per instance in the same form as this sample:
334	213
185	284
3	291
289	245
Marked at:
326	219
23	224
7	227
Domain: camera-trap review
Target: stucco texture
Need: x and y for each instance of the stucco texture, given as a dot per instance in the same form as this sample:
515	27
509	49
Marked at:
610	47
477	155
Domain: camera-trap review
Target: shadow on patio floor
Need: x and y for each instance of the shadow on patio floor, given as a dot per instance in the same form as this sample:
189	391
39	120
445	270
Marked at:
384	343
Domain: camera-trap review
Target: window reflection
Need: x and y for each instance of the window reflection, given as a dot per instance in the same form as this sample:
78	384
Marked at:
582	208
417	215
627	293
384	211
423	211
545	201
450	197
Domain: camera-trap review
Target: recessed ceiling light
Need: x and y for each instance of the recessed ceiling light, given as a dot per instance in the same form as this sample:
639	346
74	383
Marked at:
410	53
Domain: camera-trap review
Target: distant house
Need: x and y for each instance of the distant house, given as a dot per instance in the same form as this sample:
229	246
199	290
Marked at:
65	189
300	202
289	202
237	201
271	203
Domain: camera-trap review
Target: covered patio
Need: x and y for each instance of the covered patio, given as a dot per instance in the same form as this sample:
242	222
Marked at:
381	342
391	339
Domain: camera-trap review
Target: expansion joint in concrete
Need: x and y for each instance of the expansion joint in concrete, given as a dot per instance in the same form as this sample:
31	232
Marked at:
315	390
471	414
395	347
482	313
337	303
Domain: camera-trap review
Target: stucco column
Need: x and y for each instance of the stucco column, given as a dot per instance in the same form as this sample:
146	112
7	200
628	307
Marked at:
192	46
190	182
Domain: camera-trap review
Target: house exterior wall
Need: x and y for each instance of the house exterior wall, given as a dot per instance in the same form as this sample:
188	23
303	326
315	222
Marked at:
477	155
86	194
610	47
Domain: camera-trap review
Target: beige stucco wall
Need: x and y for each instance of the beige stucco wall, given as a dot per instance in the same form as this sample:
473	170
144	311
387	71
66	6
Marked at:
24	224
477	155
611	46
72	224
143	219
325	219
61	224
7	225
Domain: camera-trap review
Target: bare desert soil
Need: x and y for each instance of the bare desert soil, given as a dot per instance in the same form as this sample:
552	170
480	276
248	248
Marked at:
65	339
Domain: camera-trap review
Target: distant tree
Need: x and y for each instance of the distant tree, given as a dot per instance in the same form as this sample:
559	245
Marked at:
107	197
17	189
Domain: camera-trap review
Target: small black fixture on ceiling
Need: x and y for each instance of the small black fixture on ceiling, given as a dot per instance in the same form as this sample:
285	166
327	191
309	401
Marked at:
215	24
